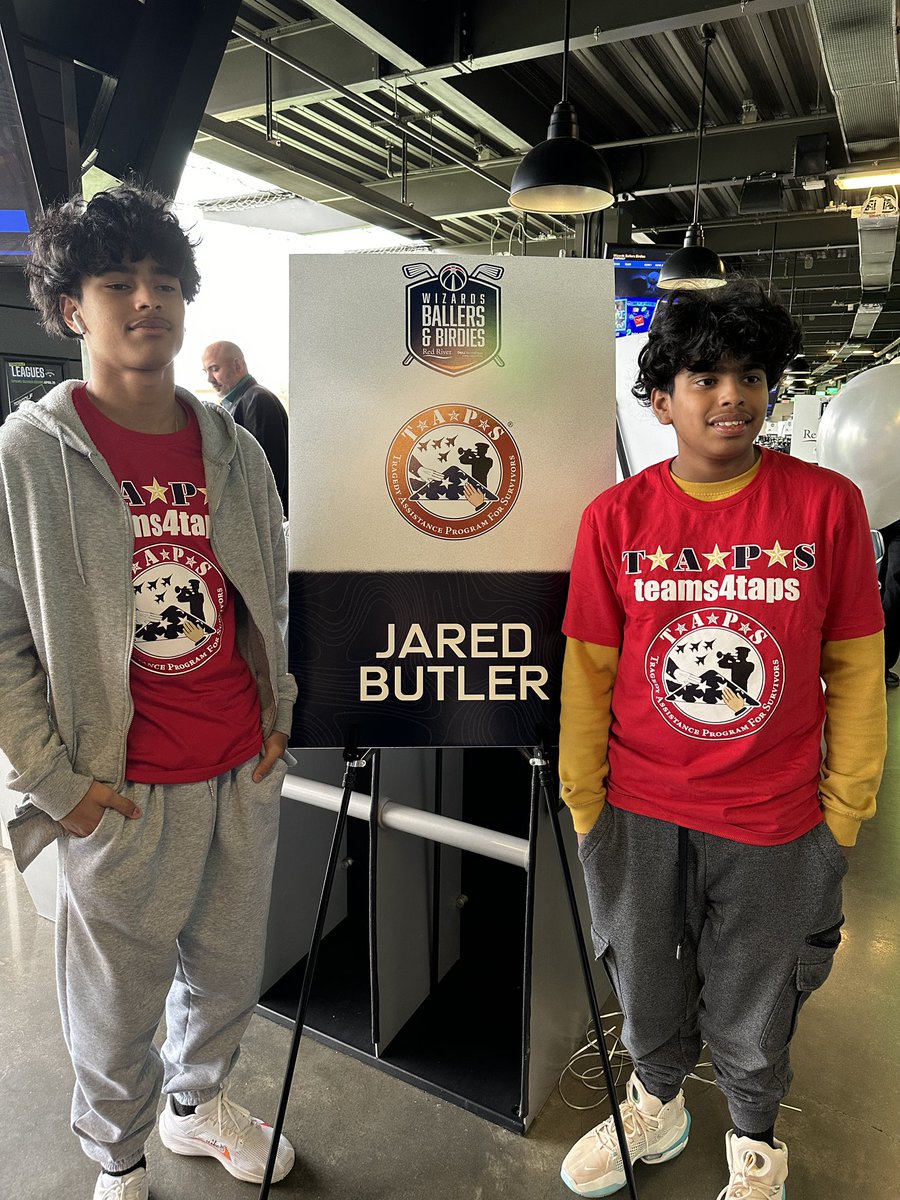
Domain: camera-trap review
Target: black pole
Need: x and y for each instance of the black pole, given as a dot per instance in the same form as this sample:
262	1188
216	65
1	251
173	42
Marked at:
354	762
565	62
541	764
708	37
270	122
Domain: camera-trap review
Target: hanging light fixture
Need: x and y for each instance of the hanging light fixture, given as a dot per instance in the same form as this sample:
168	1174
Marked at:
694	265
562	174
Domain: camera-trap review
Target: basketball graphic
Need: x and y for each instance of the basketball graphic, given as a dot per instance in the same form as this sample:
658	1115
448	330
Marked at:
453	472
453	277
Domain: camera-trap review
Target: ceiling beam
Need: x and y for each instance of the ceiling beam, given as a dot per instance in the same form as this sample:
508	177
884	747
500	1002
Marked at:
434	35
507	31
641	167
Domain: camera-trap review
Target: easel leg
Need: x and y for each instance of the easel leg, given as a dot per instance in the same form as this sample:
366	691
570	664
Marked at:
541	767
354	762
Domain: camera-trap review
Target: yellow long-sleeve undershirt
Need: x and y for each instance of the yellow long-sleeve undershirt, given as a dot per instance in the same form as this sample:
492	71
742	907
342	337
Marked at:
855	716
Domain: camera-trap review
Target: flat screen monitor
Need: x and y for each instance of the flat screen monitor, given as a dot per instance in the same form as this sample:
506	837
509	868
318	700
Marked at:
637	270
19	197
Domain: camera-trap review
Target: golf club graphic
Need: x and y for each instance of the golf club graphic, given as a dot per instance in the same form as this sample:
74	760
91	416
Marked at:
484	273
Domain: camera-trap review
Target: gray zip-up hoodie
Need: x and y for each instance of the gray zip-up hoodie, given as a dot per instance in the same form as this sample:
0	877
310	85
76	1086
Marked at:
67	603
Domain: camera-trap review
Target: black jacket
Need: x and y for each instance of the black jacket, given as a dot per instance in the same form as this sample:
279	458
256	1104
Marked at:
263	415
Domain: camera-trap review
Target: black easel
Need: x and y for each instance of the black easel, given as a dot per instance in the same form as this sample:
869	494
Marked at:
354	762
542	779
541	784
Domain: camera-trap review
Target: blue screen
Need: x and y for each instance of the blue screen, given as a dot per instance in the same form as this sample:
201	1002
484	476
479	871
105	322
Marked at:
636	292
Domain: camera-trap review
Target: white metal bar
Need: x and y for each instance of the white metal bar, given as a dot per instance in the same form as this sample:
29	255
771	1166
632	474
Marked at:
400	817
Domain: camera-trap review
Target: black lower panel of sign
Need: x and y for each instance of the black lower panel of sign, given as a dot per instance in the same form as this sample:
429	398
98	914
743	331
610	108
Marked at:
379	658
340	1002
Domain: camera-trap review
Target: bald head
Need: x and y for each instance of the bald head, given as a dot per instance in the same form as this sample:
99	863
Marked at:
224	365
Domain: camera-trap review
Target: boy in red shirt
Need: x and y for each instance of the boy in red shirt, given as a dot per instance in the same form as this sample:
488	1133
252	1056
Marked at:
709	598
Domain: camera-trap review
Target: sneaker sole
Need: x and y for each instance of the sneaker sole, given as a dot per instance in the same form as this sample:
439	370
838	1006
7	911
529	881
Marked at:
609	1189
190	1147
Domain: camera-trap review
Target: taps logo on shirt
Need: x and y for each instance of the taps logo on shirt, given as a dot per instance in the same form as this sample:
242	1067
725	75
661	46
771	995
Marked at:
179	596
715	674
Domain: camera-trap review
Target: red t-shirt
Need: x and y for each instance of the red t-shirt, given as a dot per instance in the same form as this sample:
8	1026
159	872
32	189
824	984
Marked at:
196	704
720	610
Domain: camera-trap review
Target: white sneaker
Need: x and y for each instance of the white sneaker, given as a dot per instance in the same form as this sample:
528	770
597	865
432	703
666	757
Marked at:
655	1133
757	1170
132	1186
223	1130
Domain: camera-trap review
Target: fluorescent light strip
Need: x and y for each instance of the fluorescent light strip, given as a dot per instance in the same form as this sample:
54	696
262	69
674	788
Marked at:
867	179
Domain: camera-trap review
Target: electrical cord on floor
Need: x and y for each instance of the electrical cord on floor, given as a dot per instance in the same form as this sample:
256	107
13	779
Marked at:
622	1064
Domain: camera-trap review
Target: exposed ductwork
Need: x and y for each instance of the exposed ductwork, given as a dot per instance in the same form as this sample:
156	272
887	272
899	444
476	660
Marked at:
877	226
864	321
858	39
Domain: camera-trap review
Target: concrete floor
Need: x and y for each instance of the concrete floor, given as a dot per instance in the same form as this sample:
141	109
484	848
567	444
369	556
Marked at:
362	1134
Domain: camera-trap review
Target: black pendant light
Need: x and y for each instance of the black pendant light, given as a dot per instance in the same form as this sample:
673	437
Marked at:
562	174
694	265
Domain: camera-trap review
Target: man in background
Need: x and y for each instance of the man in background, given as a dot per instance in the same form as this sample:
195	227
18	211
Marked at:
252	406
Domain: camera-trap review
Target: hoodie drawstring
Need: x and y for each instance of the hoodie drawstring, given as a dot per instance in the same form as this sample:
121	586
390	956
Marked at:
71	499
681	896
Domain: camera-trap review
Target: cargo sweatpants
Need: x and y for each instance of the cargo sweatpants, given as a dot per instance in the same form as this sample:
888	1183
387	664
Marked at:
163	915
707	939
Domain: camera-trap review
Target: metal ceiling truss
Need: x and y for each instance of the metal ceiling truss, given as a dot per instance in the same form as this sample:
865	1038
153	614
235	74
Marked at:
414	116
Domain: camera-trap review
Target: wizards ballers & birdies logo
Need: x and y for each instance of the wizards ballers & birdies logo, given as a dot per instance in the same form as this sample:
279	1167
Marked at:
453	317
715	674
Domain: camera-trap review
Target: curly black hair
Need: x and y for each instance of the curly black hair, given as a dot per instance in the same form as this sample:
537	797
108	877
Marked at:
74	239
698	330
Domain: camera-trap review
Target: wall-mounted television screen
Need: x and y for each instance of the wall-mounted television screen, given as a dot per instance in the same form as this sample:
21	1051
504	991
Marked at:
637	270
19	198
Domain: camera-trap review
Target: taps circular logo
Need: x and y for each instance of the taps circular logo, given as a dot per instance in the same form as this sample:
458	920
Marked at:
453	473
179	597
715	674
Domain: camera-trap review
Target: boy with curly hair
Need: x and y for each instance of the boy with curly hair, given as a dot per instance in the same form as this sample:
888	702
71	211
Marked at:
710	596
146	703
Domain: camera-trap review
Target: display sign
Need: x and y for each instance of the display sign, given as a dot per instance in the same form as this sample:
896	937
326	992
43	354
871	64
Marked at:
29	379
450	420
805	427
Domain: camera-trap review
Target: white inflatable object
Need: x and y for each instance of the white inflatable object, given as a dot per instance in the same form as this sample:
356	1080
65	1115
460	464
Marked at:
859	436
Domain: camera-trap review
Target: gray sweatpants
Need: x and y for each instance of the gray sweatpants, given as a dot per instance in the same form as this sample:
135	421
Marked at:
758	927
163	915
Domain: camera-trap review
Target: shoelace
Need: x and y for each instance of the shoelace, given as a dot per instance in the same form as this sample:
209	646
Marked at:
634	1121
231	1117
742	1187
119	1190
